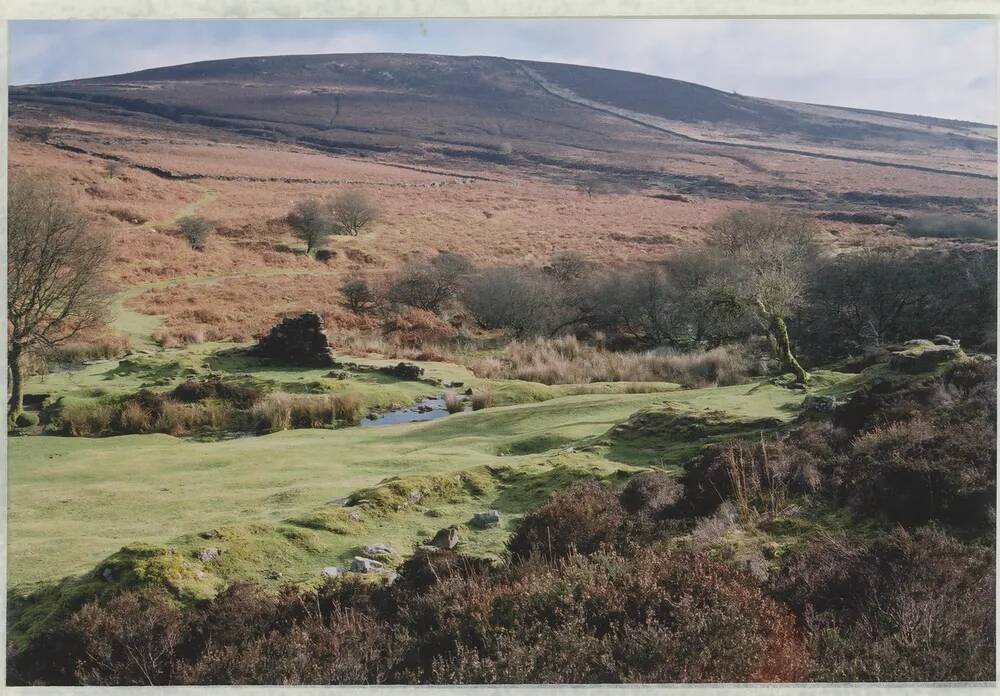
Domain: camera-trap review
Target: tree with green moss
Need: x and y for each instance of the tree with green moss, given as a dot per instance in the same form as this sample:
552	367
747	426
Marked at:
770	254
55	275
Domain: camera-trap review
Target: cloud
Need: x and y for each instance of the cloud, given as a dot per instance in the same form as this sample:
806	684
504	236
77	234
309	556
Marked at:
932	67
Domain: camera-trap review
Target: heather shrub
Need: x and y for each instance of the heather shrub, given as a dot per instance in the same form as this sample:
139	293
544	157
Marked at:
578	519
911	607
922	469
658	616
344	648
129	641
758	476
652	491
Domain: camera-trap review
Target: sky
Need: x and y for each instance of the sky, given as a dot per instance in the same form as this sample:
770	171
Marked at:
931	67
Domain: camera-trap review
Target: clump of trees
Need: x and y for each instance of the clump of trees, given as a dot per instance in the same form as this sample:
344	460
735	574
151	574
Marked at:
347	213
55	275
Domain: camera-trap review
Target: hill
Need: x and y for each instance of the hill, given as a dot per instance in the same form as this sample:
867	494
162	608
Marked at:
552	119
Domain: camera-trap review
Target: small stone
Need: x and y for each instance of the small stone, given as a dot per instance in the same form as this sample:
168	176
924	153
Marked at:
391	577
354	516
918	343
377	550
332	571
942	340
273	575
360	564
208	554
427	548
108	574
340	502
488	518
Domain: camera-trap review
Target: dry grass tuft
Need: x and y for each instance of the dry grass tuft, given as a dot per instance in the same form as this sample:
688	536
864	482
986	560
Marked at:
568	361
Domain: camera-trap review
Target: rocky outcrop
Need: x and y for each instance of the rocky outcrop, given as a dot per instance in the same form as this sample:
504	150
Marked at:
297	341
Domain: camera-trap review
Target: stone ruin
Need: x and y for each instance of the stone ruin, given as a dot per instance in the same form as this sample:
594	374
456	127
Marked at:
297	341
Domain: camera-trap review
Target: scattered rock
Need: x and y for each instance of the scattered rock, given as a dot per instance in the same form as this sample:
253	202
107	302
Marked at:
447	538
108	574
377	550
406	371
360	564
339	502
273	575
486	519
354	515
454	385
391	577
297	340
924	358
918	343
208	554
942	340
427	548
819	403
332	571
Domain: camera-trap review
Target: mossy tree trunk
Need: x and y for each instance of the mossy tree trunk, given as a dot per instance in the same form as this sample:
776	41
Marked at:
784	345
16	403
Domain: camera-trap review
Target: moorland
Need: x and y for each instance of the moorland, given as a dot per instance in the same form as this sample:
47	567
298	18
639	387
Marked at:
424	369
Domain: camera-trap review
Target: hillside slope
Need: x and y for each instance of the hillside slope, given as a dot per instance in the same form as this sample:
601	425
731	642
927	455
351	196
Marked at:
500	111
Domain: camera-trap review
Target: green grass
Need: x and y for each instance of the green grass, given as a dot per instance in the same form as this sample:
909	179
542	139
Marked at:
73	501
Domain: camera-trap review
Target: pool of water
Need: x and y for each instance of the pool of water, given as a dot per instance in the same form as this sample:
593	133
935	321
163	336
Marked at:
426	410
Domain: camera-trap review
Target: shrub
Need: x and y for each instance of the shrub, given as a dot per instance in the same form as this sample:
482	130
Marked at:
358	296
130	640
429	286
26	420
195	229
516	300
652	491
325	255
909	607
659	616
578	519
951	226
922	468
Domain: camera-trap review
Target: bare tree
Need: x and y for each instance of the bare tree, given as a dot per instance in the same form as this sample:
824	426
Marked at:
359	297
429	286
55	268
311	223
195	229
352	211
771	253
